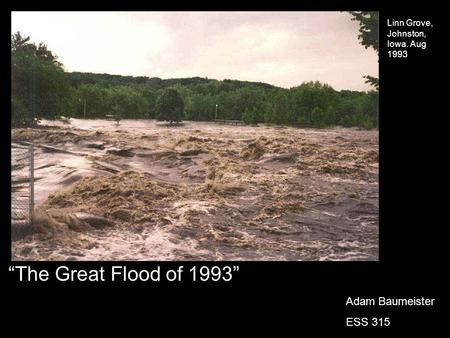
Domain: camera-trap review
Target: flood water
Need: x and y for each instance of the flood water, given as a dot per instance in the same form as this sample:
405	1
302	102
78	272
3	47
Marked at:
202	191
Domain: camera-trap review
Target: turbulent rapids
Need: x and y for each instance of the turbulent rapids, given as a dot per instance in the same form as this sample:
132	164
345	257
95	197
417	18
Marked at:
200	191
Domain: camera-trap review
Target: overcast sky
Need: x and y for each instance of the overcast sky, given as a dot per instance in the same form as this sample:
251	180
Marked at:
280	48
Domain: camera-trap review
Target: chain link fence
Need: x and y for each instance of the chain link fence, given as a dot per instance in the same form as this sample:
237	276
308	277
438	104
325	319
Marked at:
22	188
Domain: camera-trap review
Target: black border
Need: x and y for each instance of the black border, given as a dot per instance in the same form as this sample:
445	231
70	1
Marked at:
411	223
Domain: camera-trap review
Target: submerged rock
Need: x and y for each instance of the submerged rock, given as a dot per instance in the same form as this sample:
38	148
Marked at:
120	152
96	145
122	214
290	157
192	152
94	220
253	151
232	190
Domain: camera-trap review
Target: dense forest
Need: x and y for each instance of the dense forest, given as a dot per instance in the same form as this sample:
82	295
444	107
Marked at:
42	89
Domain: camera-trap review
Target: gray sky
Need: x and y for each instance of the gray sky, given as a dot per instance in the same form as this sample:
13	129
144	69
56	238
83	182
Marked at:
280	48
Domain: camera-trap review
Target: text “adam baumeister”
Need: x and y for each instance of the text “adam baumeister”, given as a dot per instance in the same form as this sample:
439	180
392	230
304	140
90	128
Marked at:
385	301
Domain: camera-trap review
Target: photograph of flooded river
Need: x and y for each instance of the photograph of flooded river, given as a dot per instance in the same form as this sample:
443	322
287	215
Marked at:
140	190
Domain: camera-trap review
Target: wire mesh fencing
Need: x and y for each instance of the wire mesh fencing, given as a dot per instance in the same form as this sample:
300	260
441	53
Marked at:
22	187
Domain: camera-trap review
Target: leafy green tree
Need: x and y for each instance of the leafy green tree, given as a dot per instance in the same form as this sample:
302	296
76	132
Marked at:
201	108
41	88
308	96
281	110
170	106
39	84
368	35
128	102
151	96
184	91
318	117
250	116
374	81
368	28
95	98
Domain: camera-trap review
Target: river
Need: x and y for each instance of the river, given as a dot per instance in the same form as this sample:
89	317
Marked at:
203	191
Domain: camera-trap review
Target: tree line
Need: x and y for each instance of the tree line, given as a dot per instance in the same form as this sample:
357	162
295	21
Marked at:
42	89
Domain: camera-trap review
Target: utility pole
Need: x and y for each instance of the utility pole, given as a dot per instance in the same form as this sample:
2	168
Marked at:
215	116
85	108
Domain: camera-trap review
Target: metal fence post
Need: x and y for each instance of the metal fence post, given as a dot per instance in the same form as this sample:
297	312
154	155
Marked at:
31	183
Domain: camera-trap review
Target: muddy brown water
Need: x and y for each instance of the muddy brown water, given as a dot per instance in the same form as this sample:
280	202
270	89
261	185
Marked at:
203	191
